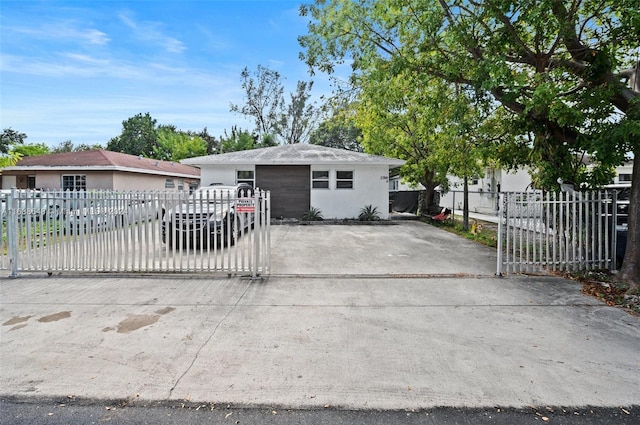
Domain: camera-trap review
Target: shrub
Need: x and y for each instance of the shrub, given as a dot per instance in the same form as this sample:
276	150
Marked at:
314	214
369	213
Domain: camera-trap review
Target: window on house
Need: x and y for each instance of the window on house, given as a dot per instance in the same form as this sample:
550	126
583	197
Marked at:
31	182
245	176
344	179
320	179
624	177
74	182
169	184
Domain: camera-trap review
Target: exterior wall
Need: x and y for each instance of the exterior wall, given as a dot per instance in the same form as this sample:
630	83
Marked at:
8	182
370	187
483	194
514	181
627	171
101	180
131	181
223	174
396	184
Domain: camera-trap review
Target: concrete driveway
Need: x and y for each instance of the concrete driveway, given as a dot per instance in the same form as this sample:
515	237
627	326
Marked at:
400	248
355	317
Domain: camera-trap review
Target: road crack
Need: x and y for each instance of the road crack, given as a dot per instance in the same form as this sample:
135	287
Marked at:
213	333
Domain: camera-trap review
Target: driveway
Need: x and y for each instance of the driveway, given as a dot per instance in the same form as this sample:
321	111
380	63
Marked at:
400	248
356	317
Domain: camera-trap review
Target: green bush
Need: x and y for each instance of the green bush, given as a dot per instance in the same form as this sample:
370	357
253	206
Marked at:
314	214
369	213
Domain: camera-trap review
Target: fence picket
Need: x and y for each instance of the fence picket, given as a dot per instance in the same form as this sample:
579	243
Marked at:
556	231
122	231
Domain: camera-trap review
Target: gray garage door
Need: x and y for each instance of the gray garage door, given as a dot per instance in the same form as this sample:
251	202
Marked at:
289	186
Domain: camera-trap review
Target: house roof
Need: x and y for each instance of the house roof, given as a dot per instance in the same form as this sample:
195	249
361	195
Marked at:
293	154
103	160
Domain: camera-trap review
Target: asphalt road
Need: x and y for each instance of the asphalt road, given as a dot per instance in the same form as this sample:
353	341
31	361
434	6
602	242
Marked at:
48	412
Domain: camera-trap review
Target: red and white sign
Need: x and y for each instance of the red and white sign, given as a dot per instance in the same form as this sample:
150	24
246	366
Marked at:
246	205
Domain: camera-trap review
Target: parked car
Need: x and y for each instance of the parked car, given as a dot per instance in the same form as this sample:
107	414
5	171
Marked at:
208	218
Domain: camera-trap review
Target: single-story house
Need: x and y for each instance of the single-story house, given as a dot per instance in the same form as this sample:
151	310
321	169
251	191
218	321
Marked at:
99	169
302	176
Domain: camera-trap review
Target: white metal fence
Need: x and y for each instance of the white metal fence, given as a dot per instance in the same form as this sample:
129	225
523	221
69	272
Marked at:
557	231
135	231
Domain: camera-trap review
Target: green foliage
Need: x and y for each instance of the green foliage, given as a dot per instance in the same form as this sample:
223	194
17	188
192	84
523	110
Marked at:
561	70
238	140
9	159
212	144
337	134
13	147
369	213
139	136
564	70
174	145
314	214
274	117
9	138
30	149
69	146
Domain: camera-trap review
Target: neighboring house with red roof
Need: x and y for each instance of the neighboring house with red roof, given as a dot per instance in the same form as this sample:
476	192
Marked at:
98	169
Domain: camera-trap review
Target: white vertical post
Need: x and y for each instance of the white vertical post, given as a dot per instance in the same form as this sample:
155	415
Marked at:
12	231
500	229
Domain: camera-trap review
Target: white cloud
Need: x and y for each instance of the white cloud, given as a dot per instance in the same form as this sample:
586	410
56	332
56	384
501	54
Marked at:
64	30
149	32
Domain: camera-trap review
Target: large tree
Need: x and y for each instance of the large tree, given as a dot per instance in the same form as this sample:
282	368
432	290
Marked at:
274	117
563	67
139	136
337	134
10	138
175	145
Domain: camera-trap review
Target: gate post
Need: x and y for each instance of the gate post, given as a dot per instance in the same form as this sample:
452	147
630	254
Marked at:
12	232
500	229
257	229
614	231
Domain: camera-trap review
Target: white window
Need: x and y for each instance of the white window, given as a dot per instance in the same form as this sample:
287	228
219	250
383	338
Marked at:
169	184
320	179
624	177
74	182
344	179
245	176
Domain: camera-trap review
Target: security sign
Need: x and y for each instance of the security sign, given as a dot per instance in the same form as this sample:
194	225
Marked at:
246	205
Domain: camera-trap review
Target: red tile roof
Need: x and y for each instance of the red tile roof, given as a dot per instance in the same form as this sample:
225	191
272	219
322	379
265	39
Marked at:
103	159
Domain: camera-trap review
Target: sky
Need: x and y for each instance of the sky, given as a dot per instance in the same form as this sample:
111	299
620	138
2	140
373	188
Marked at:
75	70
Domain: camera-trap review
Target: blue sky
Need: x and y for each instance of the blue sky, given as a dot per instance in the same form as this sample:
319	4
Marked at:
74	70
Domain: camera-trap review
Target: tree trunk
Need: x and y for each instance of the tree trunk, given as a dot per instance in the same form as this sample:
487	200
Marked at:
630	271
427	198
465	204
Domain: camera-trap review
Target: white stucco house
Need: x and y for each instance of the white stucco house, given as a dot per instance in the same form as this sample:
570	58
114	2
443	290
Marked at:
483	191
300	176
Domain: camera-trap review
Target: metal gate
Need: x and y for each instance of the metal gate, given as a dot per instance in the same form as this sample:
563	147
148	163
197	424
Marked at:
214	229
557	231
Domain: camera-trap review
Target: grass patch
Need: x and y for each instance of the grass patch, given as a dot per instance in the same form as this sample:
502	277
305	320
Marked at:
479	231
